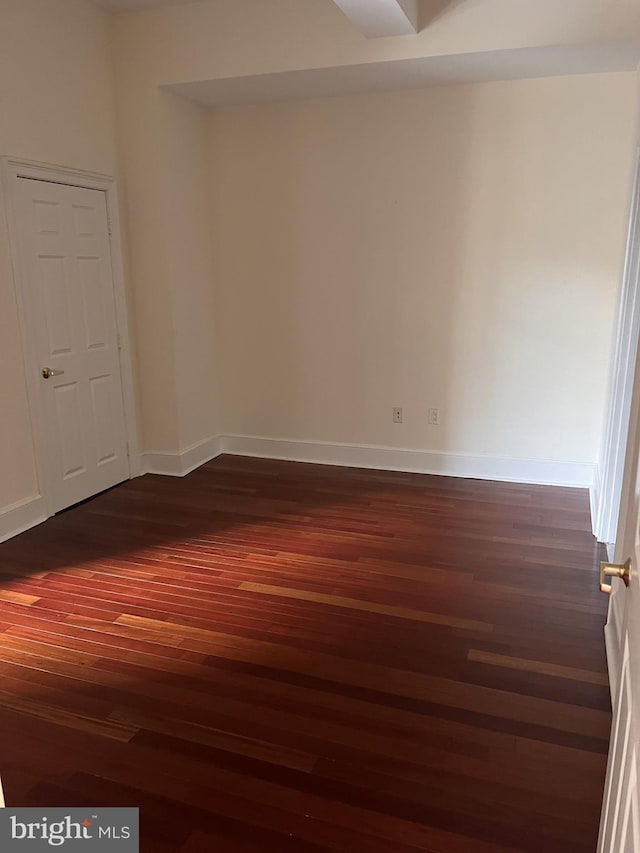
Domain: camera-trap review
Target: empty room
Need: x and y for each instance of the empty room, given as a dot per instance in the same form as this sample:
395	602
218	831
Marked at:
320	426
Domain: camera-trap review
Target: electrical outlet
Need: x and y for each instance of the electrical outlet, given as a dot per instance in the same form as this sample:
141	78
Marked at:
434	417
397	415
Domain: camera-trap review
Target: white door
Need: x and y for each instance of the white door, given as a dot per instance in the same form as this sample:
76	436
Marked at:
65	271
620	819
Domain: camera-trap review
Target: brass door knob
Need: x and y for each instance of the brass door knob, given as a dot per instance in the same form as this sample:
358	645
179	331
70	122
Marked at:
614	570
48	372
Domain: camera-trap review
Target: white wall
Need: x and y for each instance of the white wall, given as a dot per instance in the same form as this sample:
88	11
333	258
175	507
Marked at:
164	163
457	247
190	268
56	106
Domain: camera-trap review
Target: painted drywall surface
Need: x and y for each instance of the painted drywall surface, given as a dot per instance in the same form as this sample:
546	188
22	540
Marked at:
56	106
223	38
458	248
148	214
190	270
164	160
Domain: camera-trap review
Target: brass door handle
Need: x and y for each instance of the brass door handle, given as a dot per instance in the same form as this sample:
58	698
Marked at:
614	570
48	372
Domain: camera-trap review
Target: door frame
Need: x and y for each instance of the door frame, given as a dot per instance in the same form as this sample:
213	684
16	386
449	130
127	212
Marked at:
611	467
11	169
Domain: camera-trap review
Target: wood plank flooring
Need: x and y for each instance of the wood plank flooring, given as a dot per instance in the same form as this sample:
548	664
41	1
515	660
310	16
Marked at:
272	656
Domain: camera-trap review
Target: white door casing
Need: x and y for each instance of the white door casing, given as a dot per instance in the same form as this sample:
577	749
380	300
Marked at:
70	288
612	457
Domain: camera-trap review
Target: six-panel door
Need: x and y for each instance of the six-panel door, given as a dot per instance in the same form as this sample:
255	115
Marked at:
66	274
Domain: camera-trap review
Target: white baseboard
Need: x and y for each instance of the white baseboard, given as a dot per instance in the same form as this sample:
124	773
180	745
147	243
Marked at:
594	501
179	464
505	469
20	516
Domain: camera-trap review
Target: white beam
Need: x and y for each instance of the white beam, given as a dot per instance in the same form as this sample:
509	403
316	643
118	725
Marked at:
412	12
379	18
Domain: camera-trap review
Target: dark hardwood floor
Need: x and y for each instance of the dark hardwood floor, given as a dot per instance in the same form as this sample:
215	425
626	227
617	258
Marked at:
271	656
